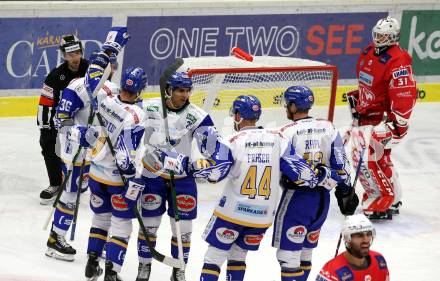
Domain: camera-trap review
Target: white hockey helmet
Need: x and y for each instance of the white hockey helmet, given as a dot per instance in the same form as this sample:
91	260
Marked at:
356	224
386	32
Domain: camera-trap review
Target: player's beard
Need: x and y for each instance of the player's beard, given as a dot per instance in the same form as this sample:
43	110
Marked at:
361	251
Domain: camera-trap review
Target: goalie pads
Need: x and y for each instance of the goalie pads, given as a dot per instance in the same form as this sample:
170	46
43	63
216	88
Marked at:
376	169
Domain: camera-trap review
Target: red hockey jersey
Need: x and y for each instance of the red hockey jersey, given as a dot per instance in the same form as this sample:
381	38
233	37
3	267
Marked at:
338	269
386	85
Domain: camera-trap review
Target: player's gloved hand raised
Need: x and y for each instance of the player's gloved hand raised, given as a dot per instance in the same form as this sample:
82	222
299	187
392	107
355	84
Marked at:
347	202
116	39
325	177
132	191
85	137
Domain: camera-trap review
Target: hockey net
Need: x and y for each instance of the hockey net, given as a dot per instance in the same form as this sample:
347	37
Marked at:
219	80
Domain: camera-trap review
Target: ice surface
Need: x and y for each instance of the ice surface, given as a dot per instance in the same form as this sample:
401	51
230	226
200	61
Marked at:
410	242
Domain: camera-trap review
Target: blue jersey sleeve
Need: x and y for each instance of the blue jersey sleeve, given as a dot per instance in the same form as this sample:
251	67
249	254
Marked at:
69	104
296	168
212	147
127	143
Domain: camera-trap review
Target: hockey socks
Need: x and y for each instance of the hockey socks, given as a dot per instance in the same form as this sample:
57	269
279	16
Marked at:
306	266
175	249
143	249
116	249
62	218
289	274
235	271
97	240
210	272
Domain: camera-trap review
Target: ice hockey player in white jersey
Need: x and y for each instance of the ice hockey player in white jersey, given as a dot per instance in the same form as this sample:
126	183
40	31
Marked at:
187	122
248	203
302	212
109	202
72	114
112	200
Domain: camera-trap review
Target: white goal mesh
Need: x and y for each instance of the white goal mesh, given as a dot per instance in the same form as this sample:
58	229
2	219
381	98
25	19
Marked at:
219	80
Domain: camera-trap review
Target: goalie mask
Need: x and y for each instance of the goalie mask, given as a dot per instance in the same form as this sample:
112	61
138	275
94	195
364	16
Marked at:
356	224
133	80
70	43
386	32
178	80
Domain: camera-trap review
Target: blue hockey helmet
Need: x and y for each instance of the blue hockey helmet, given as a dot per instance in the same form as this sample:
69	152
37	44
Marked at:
301	96
133	80
249	107
180	80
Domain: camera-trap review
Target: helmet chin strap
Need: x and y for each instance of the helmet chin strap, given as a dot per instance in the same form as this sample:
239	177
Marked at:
236	124
168	98
291	114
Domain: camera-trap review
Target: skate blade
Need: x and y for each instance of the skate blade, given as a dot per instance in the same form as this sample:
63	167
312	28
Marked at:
95	276
46	201
51	253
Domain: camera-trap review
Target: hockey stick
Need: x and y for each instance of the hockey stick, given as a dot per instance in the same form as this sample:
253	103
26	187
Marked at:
105	76
163	83
80	182
358	170
154	253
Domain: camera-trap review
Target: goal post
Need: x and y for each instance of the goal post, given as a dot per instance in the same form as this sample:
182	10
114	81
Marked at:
217	81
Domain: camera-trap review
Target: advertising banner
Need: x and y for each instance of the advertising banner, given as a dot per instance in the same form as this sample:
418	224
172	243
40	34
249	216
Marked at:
29	47
335	39
420	35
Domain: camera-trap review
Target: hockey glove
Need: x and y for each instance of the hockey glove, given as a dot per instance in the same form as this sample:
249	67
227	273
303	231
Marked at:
132	191
85	137
352	98
325	177
116	39
383	134
174	162
347	202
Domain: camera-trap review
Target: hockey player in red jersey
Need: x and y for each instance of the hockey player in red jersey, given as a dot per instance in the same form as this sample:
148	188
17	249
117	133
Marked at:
383	104
358	263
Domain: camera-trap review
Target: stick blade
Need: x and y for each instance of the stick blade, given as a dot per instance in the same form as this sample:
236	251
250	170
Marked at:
169	71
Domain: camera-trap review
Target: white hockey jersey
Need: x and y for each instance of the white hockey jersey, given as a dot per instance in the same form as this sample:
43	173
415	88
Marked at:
186	124
123	126
318	141
74	109
250	196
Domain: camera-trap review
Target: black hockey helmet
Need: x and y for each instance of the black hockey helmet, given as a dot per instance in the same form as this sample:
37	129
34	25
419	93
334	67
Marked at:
70	43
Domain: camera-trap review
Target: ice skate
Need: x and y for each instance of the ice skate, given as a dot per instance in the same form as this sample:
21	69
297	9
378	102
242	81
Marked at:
387	215
48	195
144	271
93	270
58	248
178	275
395	208
110	274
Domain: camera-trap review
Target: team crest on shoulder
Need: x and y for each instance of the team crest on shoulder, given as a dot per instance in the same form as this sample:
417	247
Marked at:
345	274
